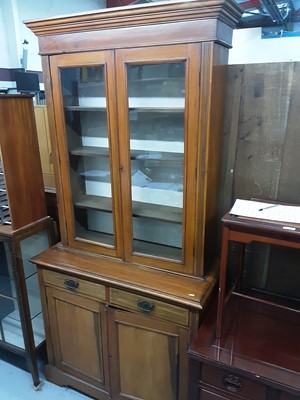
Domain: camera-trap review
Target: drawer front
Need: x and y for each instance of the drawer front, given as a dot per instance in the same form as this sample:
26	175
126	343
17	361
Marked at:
288	396
206	395
74	284
230	382
149	306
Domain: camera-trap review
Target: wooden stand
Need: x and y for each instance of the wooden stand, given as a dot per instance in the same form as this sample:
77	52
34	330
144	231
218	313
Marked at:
251	350
257	357
25	230
244	231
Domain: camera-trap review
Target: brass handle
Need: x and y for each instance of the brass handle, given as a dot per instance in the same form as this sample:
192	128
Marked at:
232	383
71	284
145	306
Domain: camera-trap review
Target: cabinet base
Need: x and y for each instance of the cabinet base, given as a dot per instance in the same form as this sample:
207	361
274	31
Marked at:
62	378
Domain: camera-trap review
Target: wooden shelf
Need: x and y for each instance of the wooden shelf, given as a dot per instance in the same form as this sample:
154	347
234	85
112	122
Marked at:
90	151
94	202
163	251
164	156
152	104
93	236
85	108
93	151
164	213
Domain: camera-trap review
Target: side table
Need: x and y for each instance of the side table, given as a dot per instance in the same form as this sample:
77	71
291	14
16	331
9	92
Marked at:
244	230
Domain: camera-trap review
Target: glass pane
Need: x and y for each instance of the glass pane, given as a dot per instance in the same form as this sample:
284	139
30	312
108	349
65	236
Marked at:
10	325
156	115
31	246
87	138
4	206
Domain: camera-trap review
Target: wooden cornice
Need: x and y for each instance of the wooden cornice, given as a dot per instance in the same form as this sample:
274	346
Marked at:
227	11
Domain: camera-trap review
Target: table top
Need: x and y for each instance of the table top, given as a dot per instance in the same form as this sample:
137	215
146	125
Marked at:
263	227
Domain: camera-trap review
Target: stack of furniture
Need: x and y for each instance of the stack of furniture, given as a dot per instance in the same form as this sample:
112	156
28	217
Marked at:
25	230
135	100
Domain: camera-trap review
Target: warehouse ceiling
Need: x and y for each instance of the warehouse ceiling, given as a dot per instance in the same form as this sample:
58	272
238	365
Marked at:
277	18
284	15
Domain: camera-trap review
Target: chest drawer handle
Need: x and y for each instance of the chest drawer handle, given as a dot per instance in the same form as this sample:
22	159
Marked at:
145	306
71	285
232	383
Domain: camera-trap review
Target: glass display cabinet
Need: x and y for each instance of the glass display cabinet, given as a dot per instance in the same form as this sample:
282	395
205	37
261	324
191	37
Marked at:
135	97
25	230
155	134
21	320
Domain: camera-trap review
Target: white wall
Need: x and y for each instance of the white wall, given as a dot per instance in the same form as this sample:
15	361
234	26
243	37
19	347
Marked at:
249	48
35	9
13	31
4	53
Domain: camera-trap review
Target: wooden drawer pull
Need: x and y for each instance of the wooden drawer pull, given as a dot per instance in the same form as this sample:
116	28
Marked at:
232	383
145	306
71	284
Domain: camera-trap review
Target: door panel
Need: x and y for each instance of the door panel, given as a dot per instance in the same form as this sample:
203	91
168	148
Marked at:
147	357
155	88
78	330
88	150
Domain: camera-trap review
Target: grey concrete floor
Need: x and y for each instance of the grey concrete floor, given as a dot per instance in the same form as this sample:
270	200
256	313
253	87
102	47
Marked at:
16	384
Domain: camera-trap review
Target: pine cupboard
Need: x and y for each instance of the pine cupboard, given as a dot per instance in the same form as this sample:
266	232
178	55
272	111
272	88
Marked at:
135	98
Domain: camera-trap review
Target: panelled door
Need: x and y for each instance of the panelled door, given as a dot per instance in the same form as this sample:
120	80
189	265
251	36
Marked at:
85	112
148	357
79	336
158	101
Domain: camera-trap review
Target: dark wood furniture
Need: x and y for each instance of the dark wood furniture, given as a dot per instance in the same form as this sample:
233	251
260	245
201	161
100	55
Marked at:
135	100
248	346
20	159
256	358
25	230
243	231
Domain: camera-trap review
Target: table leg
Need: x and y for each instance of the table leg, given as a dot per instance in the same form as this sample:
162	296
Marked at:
222	280
241	260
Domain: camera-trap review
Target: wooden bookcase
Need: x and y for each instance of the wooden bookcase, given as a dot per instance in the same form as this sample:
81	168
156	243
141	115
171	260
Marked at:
135	99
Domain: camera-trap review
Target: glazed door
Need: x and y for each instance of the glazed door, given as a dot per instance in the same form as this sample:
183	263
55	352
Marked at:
127	142
158	112
79	337
87	151
148	357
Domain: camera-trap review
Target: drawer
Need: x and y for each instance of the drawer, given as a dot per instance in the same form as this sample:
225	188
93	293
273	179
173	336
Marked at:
76	285
230	382
150	306
206	395
288	396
